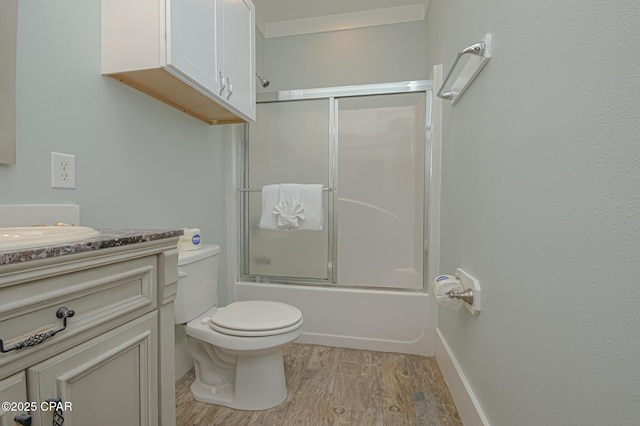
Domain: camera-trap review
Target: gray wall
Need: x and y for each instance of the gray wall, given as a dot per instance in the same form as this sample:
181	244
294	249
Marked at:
381	54
140	163
540	202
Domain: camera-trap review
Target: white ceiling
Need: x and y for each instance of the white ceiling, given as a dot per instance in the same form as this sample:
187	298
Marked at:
277	18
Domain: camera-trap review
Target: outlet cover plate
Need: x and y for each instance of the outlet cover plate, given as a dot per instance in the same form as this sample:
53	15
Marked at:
63	170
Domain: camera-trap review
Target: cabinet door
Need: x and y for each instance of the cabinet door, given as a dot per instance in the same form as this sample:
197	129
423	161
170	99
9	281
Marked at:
109	380
192	49
12	389
239	55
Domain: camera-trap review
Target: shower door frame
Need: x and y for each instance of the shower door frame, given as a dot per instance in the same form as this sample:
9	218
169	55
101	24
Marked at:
331	94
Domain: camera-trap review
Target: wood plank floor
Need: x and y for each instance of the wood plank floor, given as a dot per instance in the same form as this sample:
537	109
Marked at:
338	386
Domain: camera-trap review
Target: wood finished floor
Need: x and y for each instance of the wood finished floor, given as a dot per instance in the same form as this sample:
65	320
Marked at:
338	386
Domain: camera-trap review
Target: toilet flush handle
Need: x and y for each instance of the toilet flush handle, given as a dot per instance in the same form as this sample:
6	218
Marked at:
181	274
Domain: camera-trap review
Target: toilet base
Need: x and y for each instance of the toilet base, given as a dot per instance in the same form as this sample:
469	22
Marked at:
259	383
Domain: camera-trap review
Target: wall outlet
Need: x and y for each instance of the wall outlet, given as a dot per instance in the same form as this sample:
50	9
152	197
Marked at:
63	170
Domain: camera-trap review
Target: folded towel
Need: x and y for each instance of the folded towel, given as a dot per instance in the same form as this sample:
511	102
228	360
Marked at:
311	202
270	198
289	213
301	205
288	208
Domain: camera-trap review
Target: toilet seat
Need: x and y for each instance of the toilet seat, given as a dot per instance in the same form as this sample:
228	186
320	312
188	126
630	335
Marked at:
256	318
200	329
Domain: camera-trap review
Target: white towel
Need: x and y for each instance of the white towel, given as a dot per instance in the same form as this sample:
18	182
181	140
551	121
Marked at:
270	197
311	202
310	199
290	191
289	214
288	209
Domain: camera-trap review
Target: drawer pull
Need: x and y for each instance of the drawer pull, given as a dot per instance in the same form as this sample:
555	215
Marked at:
23	419
58	414
38	338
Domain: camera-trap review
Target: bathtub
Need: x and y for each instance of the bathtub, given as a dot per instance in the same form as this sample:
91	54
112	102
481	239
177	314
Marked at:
370	319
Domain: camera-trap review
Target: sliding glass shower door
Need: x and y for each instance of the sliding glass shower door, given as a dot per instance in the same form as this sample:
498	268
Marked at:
381	157
288	143
369	153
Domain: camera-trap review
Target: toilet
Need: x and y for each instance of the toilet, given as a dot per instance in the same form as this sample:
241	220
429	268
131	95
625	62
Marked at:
237	349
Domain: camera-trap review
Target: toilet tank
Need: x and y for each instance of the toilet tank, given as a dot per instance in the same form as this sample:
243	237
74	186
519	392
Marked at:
197	282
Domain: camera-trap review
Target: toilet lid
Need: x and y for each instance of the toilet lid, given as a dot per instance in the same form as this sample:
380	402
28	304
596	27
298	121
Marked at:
256	318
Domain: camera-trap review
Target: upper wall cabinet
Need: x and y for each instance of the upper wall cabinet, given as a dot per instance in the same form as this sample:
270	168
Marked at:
197	56
238	63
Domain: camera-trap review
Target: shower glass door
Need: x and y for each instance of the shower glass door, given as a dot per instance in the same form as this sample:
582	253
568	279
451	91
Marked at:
380	189
369	149
288	143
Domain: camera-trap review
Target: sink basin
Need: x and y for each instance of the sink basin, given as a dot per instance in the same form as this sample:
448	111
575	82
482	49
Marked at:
35	236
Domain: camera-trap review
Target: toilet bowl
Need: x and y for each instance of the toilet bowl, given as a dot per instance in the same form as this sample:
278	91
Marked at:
237	349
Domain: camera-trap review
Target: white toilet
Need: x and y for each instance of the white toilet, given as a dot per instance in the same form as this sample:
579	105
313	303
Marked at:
237	350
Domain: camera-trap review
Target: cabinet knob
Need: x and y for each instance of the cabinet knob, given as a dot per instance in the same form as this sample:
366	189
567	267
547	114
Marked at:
23	419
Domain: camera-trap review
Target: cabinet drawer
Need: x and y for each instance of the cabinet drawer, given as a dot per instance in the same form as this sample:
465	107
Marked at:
101	297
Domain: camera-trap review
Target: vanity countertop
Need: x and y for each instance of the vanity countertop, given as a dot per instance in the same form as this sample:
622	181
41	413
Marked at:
108	238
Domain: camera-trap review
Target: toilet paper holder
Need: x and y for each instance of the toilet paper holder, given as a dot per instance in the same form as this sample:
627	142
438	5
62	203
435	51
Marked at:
471	293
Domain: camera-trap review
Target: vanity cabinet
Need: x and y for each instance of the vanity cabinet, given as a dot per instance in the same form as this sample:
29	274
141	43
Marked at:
197	56
109	380
113	362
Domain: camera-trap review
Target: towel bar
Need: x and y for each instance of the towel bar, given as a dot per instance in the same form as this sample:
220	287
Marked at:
260	189
481	54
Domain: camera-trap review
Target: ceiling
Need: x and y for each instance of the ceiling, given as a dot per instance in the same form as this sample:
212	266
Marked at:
278	18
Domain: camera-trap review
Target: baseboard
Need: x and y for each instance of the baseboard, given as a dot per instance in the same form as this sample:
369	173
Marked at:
466	402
